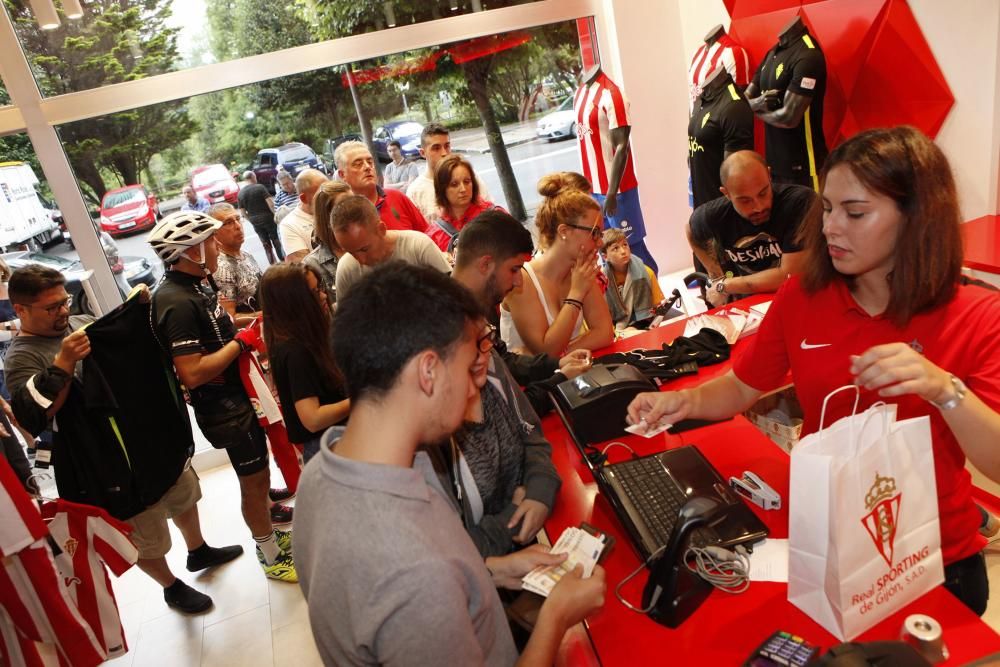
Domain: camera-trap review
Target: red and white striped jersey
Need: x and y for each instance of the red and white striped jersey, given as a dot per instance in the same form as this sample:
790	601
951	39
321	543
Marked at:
20	522
600	107
723	51
39	606
270	418
90	538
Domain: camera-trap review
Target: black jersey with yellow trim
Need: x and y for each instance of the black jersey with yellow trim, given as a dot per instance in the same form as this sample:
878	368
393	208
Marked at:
721	123
796	63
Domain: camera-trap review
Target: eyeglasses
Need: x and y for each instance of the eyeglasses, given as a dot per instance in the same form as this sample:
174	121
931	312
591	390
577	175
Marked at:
235	220
595	232
55	307
488	340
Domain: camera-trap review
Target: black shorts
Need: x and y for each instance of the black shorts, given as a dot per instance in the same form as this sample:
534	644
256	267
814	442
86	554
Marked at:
267	232
232	425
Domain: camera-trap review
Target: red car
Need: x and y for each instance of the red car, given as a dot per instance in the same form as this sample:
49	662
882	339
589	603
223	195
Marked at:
128	209
215	184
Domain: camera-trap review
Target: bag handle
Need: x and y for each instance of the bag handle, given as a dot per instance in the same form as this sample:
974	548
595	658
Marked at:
857	398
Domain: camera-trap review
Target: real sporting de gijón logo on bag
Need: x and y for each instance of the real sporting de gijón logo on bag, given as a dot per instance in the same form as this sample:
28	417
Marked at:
881	522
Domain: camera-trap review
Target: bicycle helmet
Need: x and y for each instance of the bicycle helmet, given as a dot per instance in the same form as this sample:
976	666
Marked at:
179	231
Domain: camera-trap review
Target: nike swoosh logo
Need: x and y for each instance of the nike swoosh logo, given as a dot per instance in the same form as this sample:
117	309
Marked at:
812	346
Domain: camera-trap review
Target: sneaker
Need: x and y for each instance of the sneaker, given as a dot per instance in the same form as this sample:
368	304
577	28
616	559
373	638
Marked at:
281	514
990	529
280	495
283	568
183	598
212	556
283	538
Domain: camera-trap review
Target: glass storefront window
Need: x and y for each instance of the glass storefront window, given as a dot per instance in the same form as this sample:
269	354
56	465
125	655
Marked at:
124	40
34	230
505	98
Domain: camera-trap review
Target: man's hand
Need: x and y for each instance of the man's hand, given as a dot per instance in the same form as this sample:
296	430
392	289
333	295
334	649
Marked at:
5	406
531	514
510	569
74	347
655	407
713	295
575	598
896	369
575	363
144	295
251	338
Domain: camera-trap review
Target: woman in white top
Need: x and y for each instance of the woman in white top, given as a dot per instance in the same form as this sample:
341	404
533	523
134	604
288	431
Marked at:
560	291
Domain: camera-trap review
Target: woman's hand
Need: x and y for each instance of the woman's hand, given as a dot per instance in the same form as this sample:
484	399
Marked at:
896	369
584	275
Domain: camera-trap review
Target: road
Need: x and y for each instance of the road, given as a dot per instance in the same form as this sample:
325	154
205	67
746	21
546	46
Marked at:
530	161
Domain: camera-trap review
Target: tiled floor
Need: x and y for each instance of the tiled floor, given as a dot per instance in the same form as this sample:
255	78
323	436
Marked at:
256	622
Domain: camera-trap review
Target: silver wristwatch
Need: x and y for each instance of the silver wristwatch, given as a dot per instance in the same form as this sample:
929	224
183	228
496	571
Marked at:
960	391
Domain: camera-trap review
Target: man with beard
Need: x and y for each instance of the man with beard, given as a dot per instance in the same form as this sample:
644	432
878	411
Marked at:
747	238
490	252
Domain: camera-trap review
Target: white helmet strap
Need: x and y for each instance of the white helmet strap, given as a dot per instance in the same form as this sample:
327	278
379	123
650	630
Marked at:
199	262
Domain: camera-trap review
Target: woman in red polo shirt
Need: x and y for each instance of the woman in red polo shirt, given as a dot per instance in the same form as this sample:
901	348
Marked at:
882	305
457	191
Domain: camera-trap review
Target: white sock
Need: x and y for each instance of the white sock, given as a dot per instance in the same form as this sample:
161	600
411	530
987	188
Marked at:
269	547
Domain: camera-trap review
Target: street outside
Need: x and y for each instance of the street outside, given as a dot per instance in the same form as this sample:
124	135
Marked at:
530	161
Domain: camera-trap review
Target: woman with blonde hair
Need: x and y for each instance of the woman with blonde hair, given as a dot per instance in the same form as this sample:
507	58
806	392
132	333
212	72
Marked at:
546	313
327	253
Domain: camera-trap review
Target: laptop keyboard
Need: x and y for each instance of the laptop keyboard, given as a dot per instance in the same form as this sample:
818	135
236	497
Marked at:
653	493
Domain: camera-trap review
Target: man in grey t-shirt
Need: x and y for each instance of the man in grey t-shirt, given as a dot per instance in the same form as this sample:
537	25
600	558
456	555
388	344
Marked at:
368	243
389	573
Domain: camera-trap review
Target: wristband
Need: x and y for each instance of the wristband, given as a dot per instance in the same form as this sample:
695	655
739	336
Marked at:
574	303
243	346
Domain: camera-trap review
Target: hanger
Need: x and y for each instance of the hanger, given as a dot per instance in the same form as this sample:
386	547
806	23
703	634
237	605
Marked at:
714	34
34	484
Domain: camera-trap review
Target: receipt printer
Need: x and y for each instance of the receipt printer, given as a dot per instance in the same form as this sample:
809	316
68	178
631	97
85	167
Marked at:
594	405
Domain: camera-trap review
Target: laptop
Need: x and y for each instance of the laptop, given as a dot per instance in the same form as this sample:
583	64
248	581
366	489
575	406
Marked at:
648	492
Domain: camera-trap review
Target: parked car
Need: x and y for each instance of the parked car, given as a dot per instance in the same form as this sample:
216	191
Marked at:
215	184
128	209
294	157
558	124
128	271
406	132
330	147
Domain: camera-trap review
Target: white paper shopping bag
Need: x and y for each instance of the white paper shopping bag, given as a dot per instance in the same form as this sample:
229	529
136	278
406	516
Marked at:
863	531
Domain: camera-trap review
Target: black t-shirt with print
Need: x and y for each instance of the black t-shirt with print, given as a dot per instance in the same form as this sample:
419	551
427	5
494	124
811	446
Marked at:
188	319
297	375
721	123
745	248
796	64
